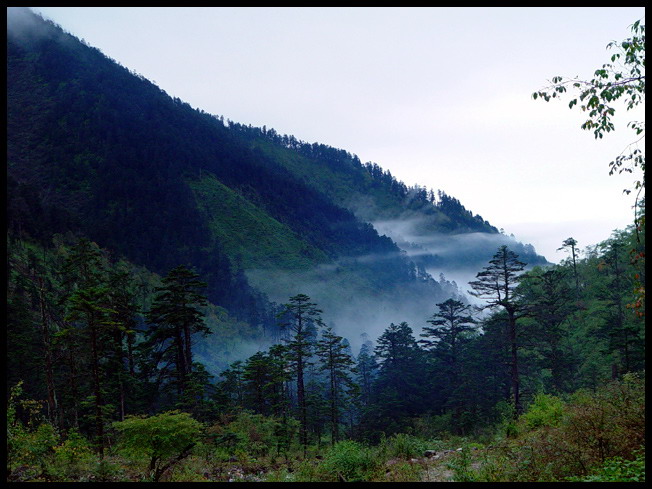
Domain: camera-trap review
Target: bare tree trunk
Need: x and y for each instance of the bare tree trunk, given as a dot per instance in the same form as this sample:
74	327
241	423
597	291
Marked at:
181	361
188	348
514	366
301	400
72	379
53	408
99	423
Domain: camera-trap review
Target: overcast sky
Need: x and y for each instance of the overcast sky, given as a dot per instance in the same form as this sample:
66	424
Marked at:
439	96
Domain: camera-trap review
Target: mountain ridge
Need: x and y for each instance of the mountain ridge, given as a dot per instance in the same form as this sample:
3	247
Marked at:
96	149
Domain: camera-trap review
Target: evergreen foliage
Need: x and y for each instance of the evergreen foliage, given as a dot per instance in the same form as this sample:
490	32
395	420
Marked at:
112	368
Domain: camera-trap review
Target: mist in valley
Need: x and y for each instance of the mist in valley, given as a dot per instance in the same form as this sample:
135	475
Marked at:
458	257
352	303
360	306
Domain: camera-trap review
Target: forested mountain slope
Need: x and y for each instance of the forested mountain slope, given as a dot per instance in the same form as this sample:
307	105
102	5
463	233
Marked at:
436	230
97	150
195	300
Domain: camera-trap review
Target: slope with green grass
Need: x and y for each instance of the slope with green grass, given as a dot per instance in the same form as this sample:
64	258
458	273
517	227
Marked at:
247	232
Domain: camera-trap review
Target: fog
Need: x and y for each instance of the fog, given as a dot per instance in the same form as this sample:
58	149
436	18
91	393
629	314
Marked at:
354	304
20	21
459	257
351	303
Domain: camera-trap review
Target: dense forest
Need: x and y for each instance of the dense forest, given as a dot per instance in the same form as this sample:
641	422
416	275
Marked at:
190	299
110	350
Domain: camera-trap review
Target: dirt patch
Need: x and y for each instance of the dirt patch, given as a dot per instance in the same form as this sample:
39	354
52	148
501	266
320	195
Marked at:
438	466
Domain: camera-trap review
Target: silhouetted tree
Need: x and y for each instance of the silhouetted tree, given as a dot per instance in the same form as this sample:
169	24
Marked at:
497	283
444	339
572	243
297	316
175	318
337	363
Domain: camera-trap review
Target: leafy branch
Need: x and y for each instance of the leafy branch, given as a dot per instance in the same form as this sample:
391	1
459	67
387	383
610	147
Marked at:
623	78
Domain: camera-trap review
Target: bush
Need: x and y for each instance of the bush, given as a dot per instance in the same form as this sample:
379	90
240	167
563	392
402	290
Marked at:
348	460
253	435
598	431
461	467
401	472
165	439
403	446
607	423
618	469
30	444
545	410
507	426
74	459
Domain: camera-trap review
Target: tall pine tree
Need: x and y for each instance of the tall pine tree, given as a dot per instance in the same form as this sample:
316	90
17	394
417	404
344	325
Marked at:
175	318
297	317
497	283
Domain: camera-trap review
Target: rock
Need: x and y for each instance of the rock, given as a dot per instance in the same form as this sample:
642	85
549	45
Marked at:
429	453
459	450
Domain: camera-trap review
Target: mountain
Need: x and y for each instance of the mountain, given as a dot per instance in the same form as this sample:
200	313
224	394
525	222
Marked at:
97	150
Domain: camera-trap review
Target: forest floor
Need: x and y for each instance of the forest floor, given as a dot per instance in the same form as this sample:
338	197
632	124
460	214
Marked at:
441	466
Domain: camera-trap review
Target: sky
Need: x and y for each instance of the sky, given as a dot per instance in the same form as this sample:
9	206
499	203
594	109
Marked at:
439	96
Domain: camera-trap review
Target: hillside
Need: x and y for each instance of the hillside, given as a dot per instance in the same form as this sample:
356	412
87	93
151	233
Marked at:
191	299
97	150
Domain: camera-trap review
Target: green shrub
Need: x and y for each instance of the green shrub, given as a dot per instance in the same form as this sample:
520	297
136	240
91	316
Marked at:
190	470
109	469
74	459
348	460
165	439
281	475
598	431
618	469
401	472
29	445
461	467
545	410
253	435
507	426
403	446
607	423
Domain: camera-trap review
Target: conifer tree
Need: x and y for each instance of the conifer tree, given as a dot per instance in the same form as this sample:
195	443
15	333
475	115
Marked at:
86	306
449	326
88	315
622	330
232	387
551	303
399	390
338	364
444	339
123	305
256	375
175	318
497	284
279	378
296	317
366	367
572	243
